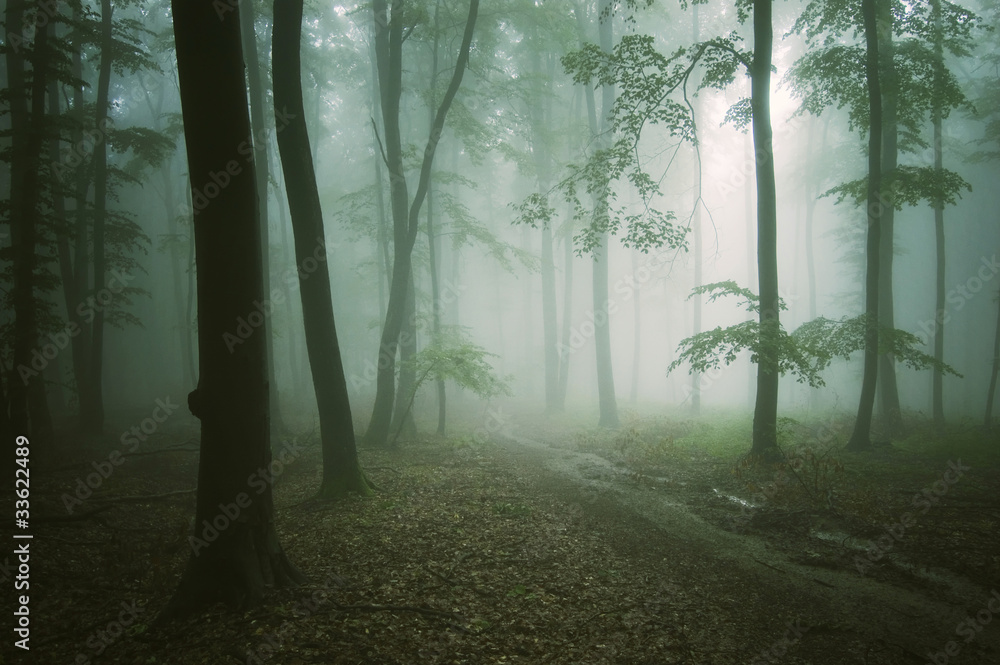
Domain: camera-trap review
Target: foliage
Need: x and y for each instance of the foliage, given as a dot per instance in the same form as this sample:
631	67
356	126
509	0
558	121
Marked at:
907	185
804	354
824	339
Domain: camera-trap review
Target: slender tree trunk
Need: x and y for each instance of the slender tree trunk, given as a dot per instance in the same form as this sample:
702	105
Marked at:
81	258
937	385
696	232
567	321
765	415
432	240
236	552
341	471
263	171
402	417
888	389
405	214
751	243
861	436
602	323
994	370
93	421
636	335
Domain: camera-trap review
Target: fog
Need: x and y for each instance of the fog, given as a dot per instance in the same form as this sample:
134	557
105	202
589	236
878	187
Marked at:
604	209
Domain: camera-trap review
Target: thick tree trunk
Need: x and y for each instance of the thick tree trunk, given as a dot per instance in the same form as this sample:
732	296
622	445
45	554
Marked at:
263	171
236	552
861	436
405	214
341	470
889	408
28	416
766	408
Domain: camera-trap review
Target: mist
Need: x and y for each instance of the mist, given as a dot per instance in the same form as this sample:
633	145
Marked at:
288	287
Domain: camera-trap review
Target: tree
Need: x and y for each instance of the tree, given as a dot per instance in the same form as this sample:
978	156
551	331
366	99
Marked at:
861	435
341	471
405	213
236	552
914	83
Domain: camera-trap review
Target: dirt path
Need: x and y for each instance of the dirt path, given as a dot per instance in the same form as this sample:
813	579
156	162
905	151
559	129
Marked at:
813	614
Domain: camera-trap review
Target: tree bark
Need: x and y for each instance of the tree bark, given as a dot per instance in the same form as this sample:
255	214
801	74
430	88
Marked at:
263	170
994	370
26	418
236	552
889	408
861	436
937	382
341	471
602	324
765	415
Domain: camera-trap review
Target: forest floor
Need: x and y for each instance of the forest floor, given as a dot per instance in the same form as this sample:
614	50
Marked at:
534	540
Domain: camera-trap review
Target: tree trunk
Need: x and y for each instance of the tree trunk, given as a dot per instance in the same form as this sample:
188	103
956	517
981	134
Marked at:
995	369
937	385
341	470
602	323
696	232
27	416
765	414
93	420
402	416
405	214
636	334
81	258
236	552
567	321
749	217
263	170
432	240
861	436
888	389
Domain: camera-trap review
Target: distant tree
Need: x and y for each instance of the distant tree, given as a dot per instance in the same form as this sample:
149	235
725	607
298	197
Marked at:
236	551
389	30
341	470
915	84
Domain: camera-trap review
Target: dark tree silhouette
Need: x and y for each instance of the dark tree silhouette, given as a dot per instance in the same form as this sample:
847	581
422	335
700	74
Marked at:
235	549
341	471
